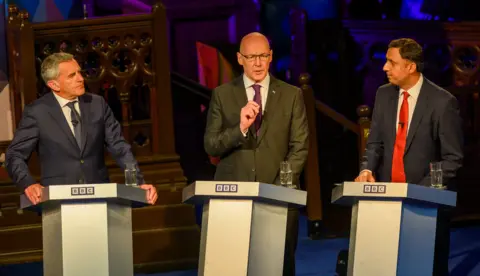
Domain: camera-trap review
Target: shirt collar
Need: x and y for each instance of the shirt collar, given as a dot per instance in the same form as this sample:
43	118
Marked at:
415	90
62	101
248	82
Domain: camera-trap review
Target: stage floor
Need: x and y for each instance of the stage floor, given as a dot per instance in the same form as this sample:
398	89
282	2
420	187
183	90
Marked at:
318	257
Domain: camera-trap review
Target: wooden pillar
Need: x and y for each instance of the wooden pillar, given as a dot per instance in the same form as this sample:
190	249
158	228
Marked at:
20	46
163	123
312	174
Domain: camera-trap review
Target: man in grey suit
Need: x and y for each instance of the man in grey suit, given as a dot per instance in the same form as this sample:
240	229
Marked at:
254	123
69	130
414	122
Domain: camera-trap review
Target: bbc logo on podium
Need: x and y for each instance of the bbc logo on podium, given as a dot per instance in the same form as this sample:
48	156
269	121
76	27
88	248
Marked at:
226	188
374	189
77	191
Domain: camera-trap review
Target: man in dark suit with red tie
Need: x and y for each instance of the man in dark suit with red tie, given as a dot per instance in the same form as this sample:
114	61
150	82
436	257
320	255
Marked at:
414	122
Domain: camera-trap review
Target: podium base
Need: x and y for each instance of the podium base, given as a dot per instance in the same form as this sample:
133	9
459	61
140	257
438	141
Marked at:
253	232
392	238
87	238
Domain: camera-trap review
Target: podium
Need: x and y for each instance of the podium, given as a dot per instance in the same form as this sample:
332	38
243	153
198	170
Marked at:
243	226
87	228
393	226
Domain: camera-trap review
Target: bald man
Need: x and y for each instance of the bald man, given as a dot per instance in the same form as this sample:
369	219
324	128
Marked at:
254	123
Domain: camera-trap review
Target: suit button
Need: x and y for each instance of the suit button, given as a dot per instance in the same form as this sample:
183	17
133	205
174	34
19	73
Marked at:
81	161
253	170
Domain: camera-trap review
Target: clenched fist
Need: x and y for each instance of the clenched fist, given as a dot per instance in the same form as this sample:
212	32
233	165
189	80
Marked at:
365	176
248	114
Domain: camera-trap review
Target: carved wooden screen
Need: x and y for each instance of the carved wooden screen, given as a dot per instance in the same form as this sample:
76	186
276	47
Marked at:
118	63
125	59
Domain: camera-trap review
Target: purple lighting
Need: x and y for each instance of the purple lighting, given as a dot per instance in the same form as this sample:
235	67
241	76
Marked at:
232	29
411	9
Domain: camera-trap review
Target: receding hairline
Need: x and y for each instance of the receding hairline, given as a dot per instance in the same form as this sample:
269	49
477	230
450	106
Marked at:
254	35
50	67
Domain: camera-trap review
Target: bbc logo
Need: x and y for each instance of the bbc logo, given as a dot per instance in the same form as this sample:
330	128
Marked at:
374	189
226	188
77	191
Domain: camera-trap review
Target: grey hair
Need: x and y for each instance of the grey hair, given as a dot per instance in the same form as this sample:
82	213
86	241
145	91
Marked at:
50	64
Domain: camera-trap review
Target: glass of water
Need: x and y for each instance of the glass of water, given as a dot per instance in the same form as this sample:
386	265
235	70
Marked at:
130	174
436	175
286	175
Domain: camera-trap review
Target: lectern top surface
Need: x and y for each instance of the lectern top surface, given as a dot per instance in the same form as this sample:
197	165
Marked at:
350	192
202	191
86	192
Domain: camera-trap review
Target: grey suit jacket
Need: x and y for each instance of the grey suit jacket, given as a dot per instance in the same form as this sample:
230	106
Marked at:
44	128
435	134
283	134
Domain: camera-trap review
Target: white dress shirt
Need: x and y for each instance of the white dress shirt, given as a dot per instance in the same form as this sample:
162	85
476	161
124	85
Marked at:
263	89
66	110
414	92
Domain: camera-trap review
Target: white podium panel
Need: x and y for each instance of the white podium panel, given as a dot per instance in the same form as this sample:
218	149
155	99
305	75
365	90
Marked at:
243	226
393	227
87	228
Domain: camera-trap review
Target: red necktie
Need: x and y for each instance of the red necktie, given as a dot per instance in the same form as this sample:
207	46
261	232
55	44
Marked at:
398	170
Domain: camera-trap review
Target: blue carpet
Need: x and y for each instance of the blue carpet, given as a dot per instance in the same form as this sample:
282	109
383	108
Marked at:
318	257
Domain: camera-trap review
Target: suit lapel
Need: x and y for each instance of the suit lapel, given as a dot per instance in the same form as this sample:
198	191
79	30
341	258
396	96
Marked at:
84	102
240	92
241	99
270	107
393	118
420	109
57	114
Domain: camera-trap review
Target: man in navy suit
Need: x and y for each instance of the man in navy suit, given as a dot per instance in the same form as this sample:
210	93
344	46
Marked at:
414	122
69	130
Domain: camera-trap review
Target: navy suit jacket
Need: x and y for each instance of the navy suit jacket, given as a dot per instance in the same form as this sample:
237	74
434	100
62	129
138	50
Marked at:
44	128
435	134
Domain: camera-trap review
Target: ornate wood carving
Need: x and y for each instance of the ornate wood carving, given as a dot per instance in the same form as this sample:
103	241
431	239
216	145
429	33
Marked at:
125	59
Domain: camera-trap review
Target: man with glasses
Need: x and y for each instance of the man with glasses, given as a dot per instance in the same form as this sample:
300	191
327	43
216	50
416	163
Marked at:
254	123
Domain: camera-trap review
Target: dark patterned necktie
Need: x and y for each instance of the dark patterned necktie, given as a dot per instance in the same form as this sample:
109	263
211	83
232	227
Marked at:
258	99
76	122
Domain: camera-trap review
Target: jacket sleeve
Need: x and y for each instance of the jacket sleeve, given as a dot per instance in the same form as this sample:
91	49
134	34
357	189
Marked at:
450	135
116	143
219	140
298	142
20	149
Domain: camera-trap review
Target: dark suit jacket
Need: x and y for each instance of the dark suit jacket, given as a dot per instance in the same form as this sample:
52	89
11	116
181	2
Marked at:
435	134
44	128
283	134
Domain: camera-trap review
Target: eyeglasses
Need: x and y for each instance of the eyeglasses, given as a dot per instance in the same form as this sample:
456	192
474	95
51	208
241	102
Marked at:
251	58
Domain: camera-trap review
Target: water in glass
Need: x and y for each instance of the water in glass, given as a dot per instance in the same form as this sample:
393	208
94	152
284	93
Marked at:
130	175
286	175
436	175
